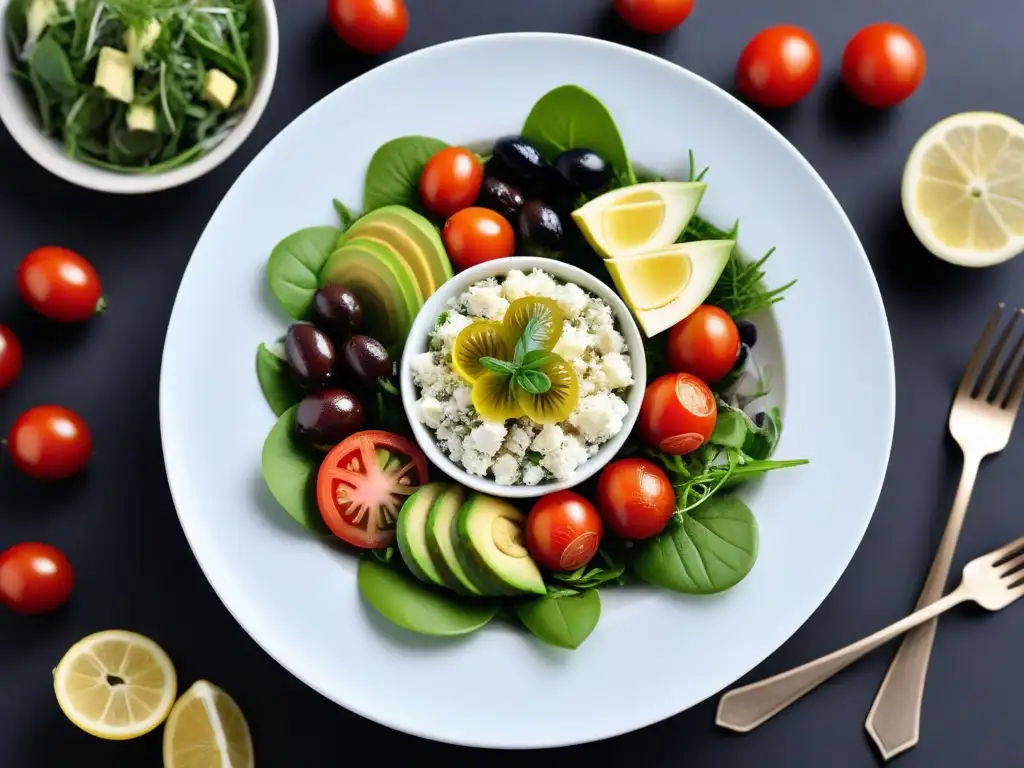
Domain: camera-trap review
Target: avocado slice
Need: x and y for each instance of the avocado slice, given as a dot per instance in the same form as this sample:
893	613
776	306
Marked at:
412	237
441	540
412	532
492	547
389	296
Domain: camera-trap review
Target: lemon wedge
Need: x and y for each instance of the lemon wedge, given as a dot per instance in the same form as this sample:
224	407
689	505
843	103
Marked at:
206	729
115	684
638	219
652	280
963	189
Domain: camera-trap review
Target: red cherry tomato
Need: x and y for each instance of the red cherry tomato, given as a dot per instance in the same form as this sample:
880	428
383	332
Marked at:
451	181
60	284
563	531
635	497
678	413
779	66
369	26
883	64
475	235
10	357
653	16
706	343
34	578
50	442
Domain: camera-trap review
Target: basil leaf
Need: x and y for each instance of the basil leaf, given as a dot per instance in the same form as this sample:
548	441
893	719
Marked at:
706	550
538	358
565	621
345	217
494	365
393	175
534	382
277	385
290	471
51	64
418	607
294	267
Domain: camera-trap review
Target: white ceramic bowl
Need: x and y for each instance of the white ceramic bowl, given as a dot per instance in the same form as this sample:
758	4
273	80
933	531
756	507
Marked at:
18	116
418	342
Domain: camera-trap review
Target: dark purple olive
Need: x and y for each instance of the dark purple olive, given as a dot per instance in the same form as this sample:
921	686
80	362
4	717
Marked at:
367	359
325	418
500	197
540	225
519	159
741	357
748	332
310	355
337	311
583	169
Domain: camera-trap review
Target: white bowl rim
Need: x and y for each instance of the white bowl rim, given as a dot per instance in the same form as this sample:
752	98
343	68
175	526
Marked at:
565	272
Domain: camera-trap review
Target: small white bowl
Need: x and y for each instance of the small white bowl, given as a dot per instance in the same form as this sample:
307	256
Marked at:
419	339
19	117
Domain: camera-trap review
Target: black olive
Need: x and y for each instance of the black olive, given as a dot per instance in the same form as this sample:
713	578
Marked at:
741	356
310	354
337	311
540	225
325	418
499	196
520	159
748	332
367	359
759	419
583	169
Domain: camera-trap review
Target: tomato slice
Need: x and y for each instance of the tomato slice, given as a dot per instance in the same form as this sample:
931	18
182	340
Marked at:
363	483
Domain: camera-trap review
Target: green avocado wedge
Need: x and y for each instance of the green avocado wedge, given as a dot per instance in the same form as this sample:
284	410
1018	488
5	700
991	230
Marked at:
412	533
491	546
441	541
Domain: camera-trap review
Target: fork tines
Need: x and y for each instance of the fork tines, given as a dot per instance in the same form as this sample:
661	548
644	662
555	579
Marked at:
991	375
1009	560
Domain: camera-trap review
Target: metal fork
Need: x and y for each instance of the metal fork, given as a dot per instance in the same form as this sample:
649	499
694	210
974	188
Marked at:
993	581
981	419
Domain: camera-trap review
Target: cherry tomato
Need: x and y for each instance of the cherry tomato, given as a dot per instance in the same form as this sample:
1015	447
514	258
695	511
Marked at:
34	578
563	531
678	413
50	442
369	26
60	284
451	181
706	343
635	497
653	16
475	235
362	484
779	66
883	64
10	357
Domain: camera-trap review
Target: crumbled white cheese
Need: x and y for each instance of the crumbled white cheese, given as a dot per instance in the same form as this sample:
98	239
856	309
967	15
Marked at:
573	342
475	462
549	438
505	469
598	417
429	411
486	301
609	340
533	474
563	462
450	329
571	299
486	438
518	440
462	397
540	283
424	369
617	371
515	285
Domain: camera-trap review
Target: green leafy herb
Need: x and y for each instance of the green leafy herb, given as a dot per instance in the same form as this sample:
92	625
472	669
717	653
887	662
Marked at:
524	369
534	382
278	388
394	172
588	576
294	267
345	217
290	471
741	290
494	365
534	457
561	620
383	555
537	359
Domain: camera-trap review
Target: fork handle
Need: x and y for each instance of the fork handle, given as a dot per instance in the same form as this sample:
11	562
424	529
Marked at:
894	721
743	709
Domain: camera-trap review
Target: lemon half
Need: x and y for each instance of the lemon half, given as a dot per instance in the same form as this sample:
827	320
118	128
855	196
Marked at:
115	684
206	729
963	189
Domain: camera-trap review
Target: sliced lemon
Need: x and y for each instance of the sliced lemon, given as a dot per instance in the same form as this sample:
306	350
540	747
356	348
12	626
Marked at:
115	684
206	729
649	281
640	218
963	189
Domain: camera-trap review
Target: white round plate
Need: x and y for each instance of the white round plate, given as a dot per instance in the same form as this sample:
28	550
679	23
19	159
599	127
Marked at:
297	597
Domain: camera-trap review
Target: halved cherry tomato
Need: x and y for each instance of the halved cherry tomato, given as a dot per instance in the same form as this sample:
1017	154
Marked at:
779	66
653	16
563	531
50	442
362	484
883	64
10	357
678	413
60	284
369	26
34	578
475	235
635	497
451	181
706	343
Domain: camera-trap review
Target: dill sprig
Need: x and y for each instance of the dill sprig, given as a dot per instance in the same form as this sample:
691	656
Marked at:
741	289
138	13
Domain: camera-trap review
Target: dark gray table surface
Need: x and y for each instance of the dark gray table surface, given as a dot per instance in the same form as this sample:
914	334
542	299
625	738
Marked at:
135	570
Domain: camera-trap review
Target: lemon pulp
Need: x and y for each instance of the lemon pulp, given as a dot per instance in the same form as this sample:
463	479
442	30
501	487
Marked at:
206	729
653	281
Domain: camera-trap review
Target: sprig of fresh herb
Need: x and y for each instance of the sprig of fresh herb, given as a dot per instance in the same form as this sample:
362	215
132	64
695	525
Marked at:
586	577
525	369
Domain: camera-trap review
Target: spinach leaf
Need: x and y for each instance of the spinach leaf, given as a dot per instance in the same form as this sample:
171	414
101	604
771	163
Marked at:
290	471
51	64
16	25
706	550
565	621
735	429
278	388
393	176
418	607
569	117
295	264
